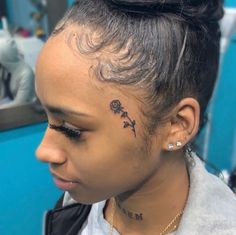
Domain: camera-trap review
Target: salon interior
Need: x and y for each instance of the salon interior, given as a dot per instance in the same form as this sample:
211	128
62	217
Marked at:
27	190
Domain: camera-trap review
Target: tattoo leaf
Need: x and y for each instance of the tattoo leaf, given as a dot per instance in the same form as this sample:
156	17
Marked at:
126	124
124	115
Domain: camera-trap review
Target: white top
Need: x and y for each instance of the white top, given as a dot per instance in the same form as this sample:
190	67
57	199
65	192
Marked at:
96	223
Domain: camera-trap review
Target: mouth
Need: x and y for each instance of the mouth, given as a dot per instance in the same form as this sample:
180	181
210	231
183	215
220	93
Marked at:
65	185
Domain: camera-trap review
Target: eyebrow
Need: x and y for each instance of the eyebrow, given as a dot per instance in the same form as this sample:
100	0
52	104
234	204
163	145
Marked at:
65	112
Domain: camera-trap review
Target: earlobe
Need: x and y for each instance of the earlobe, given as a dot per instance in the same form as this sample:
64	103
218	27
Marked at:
184	123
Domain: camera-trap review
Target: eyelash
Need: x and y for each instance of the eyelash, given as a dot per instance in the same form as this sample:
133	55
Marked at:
71	133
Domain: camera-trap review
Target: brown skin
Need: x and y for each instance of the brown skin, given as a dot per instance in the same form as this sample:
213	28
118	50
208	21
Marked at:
108	161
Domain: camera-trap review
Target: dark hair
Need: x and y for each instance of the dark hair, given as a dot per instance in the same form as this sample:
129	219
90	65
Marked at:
169	47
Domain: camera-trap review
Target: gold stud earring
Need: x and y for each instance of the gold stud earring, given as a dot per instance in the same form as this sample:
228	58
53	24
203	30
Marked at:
178	144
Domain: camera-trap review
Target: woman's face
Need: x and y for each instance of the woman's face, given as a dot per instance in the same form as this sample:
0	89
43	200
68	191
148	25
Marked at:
87	145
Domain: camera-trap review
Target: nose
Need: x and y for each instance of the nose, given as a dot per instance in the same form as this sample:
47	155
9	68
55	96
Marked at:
49	150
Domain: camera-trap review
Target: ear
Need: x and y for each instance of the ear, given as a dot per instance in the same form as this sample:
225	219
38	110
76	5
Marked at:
183	124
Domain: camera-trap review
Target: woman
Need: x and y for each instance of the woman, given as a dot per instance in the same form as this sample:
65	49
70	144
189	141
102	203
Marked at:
125	85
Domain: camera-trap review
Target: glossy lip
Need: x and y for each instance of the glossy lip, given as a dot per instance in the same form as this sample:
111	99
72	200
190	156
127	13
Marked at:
64	184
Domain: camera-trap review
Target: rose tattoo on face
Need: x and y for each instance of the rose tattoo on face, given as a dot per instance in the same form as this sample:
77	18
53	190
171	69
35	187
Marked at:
117	108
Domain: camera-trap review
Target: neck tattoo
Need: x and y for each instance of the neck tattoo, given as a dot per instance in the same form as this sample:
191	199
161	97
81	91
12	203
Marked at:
170	227
130	214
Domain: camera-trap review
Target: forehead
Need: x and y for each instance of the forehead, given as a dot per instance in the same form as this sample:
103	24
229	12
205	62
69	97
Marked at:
64	77
57	64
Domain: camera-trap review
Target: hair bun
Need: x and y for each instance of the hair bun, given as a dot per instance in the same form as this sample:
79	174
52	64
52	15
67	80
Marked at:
200	10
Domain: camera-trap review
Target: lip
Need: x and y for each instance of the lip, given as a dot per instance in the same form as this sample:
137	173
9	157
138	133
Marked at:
65	185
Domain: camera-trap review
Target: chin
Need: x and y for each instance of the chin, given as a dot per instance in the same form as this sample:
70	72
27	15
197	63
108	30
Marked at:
85	200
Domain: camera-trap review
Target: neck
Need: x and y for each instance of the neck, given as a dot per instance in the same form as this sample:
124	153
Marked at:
152	206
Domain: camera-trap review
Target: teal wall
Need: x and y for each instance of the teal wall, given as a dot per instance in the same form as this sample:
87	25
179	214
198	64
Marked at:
70	2
222	138
26	190
223	129
230	3
19	12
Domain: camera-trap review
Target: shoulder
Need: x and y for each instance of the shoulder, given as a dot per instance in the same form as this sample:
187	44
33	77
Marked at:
211	205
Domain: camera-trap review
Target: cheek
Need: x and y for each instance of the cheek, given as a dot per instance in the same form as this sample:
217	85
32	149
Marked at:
111	165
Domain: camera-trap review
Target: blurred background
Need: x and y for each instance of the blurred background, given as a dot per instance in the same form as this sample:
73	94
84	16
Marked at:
26	188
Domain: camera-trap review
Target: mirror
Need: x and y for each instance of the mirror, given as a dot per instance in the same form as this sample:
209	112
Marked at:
24	27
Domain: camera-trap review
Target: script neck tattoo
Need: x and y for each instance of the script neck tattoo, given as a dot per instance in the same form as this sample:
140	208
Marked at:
130	214
117	108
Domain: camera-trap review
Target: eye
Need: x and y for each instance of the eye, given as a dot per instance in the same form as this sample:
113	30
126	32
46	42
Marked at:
68	130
